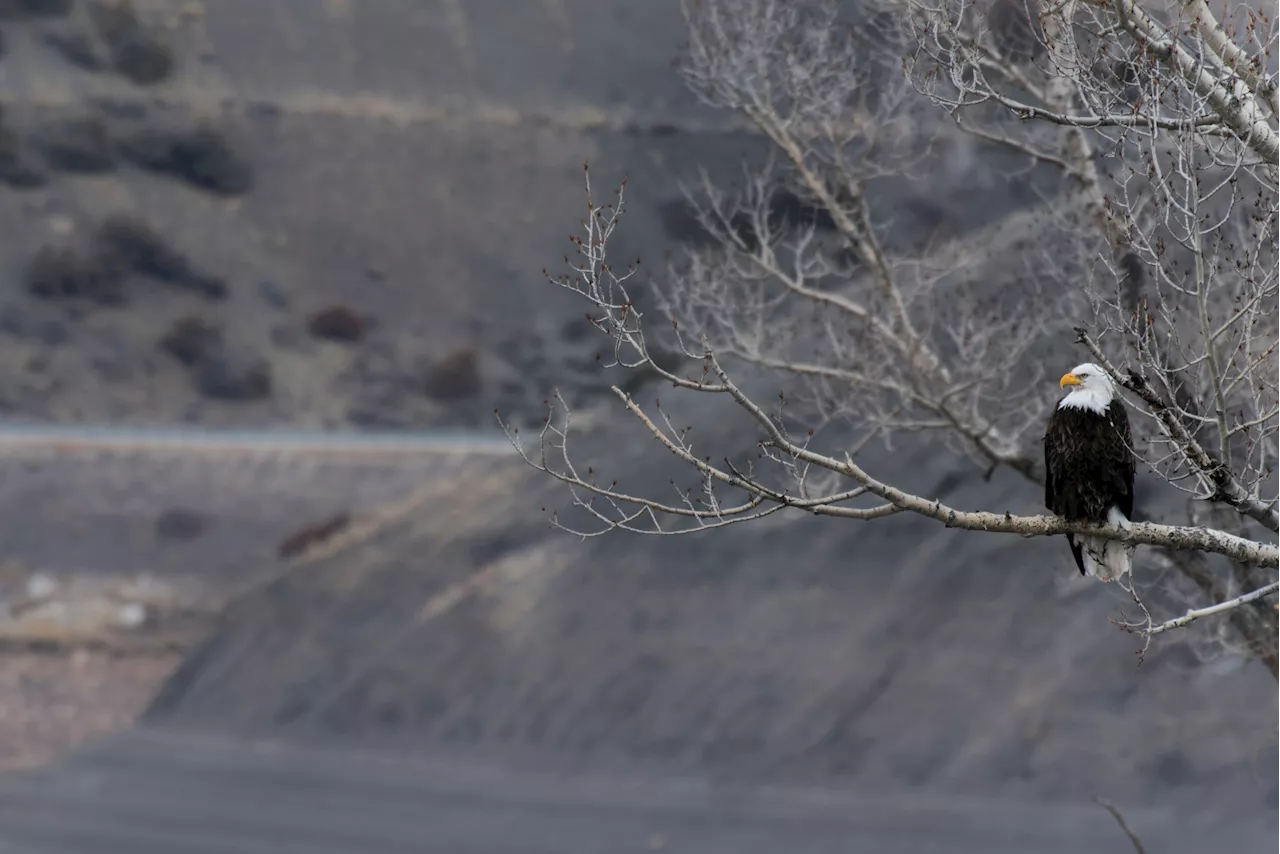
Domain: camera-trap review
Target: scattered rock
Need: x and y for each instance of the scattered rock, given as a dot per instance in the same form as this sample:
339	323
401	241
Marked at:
59	272
455	377
179	524
190	340
223	376
337	323
129	243
41	586
313	534
202	157
80	145
132	615
138	52
78	49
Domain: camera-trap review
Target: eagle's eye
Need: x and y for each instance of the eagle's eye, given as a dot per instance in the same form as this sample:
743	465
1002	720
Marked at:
1084	376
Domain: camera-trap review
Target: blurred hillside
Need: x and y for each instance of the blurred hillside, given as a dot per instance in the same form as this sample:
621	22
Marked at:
333	214
389	159
944	663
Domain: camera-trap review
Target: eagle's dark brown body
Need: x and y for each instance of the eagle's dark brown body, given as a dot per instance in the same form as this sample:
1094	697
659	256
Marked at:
1089	466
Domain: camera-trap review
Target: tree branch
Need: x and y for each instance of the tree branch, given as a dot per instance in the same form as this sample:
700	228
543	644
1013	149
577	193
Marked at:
1138	533
886	336
1222	607
1223	483
1230	98
1124	825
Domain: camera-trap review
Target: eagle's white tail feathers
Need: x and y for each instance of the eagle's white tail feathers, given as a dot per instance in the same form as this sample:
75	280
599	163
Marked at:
1107	560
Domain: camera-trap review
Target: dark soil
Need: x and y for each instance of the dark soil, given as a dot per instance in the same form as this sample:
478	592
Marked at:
18	9
190	340
312	534
144	60
131	243
17	169
62	273
179	524
122	248
337	323
77	48
81	145
221	375
201	157
138	52
455	377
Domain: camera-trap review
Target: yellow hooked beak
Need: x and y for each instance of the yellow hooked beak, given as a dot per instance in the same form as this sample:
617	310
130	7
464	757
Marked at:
1069	379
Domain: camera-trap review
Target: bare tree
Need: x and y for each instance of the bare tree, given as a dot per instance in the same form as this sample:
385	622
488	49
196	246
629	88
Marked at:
1164	121
1152	135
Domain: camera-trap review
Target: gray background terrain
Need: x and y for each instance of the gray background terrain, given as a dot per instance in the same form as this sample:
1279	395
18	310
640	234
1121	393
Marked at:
818	685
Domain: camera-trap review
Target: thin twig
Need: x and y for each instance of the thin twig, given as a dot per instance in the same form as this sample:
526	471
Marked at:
1124	825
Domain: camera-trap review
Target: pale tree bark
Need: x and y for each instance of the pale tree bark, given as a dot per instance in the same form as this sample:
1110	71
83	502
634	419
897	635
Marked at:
1161	238
1233	269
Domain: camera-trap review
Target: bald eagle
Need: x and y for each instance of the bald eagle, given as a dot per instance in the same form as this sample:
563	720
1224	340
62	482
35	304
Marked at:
1089	468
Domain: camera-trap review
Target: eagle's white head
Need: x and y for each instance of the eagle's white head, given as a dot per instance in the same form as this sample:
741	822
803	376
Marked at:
1091	389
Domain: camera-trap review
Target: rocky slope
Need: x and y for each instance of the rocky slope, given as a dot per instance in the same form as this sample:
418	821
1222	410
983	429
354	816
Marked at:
338	216
933	661
285	225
